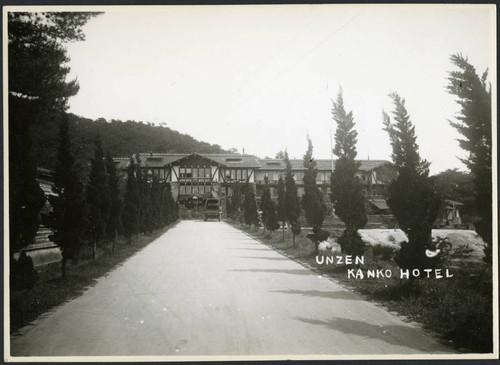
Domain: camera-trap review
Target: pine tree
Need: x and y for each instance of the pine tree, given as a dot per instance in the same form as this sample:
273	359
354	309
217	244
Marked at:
292	202
281	209
312	201
130	215
250	206
474	123
114	223
98	197
68	217
265	202
347	197
411	195
38	92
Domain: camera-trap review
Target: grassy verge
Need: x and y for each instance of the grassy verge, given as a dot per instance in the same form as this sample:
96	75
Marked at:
51	290
458	309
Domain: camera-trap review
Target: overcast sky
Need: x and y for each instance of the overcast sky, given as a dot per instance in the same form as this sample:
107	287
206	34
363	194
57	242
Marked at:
262	77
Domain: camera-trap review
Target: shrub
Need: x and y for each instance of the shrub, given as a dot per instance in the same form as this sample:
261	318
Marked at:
385	253
24	275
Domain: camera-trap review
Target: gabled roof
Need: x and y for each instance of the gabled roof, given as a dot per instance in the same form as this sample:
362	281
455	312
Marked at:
233	160
160	159
238	161
321	164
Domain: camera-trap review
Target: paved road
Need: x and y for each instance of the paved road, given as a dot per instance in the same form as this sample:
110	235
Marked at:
209	289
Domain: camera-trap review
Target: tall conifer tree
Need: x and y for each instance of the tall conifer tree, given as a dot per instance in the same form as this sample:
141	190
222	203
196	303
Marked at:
38	91
474	123
68	217
265	201
281	209
411	195
130	215
250	206
312	201
98	197
114	223
292	202
347	196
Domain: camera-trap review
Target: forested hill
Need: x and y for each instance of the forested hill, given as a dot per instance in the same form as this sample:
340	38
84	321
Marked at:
122	139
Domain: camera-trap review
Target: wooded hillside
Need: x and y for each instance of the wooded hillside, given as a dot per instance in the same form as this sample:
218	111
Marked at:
122	139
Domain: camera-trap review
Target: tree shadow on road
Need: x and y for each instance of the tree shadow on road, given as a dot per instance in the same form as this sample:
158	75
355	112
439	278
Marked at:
281	271
397	335
338	294
264	258
250	249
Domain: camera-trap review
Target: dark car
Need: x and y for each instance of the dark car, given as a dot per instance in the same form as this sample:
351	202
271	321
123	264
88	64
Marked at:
212	209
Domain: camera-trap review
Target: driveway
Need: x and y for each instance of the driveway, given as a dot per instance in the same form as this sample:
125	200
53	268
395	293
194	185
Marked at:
206	288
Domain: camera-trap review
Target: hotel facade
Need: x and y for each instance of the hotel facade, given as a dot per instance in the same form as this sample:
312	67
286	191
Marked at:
198	175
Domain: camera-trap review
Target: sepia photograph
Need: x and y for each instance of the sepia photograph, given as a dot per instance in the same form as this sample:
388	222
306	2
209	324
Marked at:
250	182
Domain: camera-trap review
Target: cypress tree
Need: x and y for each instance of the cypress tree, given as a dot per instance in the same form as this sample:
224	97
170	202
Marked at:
271	222
281	209
265	202
292	203
236	201
141	178
68	217
172	206
130	215
147	204
347	196
312	201
474	123
98	197
155	194
250	206
411	195
114	223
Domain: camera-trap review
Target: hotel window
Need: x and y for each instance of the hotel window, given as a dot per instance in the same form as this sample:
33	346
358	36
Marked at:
195	189
233	174
182	190
195	173
185	172
189	189
244	174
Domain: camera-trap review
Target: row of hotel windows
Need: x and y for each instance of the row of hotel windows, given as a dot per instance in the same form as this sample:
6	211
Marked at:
298	176
205	173
194	189
195	173
238	174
